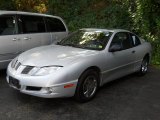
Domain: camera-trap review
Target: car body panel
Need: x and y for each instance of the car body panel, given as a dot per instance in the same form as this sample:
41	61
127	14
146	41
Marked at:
54	55
74	62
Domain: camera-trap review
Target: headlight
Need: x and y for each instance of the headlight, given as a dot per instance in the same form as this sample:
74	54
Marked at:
46	70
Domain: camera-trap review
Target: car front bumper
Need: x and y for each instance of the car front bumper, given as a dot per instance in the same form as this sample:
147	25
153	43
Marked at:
40	86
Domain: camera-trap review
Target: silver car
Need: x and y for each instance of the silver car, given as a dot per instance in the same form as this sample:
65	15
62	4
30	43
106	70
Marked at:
79	64
21	31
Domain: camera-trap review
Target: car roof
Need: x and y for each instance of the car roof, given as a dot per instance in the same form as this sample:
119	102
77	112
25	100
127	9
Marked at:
108	30
25	13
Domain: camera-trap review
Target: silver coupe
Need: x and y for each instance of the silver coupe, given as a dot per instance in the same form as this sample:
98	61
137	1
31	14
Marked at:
79	64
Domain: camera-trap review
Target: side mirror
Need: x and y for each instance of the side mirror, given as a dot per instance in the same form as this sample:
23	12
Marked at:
114	48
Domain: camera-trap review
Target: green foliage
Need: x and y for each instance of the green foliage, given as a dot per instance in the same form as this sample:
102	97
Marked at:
24	5
91	13
31	5
146	19
142	16
7	5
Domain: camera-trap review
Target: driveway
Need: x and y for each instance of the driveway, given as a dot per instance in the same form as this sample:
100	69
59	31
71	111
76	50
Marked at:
128	98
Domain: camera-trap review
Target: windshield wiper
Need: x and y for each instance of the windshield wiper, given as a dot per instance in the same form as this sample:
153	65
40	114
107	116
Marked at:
68	44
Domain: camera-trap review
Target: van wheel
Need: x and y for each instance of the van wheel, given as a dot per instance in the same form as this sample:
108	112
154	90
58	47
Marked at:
144	66
87	86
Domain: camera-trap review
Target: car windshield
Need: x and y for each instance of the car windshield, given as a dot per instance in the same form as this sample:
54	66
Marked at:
94	40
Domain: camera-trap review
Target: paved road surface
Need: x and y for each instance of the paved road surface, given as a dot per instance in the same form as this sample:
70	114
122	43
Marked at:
129	98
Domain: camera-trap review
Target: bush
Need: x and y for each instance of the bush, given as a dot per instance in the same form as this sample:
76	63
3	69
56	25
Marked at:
142	16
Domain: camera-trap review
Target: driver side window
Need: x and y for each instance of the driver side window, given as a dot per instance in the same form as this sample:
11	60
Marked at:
122	39
7	25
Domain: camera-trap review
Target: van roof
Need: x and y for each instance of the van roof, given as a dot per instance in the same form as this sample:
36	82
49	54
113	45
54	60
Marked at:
25	13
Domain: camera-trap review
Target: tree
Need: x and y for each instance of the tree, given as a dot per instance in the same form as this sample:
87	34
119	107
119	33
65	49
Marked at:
32	5
7	5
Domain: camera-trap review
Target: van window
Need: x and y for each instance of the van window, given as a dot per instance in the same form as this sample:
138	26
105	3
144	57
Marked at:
54	25
32	24
7	25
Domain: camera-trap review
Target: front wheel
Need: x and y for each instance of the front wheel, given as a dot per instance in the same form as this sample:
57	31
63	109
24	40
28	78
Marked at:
87	86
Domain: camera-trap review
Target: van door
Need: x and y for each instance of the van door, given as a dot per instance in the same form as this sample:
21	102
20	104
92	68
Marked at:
57	28
8	39
33	31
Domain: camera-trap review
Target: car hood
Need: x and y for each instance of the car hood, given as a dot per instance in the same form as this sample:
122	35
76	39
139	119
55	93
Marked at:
53	55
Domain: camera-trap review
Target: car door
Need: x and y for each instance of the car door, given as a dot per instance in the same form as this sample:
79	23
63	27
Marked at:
57	28
138	51
8	39
121	62
33	31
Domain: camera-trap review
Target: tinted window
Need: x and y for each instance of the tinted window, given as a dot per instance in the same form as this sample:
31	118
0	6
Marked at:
32	24
122	39
135	39
7	25
55	25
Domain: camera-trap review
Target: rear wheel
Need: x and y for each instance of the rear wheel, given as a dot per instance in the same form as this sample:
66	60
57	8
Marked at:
144	66
87	86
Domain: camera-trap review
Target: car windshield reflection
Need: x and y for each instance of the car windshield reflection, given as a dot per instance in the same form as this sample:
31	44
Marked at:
94	40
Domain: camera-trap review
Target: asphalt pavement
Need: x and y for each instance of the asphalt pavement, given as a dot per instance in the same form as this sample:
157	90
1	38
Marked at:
129	98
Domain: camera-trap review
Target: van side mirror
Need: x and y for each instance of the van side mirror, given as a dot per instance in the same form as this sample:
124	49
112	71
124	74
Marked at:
115	47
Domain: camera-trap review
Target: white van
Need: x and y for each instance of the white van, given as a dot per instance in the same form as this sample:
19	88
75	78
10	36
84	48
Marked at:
20	31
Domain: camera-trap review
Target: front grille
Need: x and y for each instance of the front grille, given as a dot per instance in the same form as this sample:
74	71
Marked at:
31	88
17	66
27	69
14	64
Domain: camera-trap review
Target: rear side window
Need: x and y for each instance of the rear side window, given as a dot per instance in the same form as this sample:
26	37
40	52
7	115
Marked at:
7	25
135	39
31	24
122	39
54	25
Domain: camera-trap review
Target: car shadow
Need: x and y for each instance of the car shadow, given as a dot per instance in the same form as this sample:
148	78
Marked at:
3	72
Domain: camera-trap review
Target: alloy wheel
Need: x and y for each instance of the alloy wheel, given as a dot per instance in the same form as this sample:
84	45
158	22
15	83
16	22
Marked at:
89	86
144	66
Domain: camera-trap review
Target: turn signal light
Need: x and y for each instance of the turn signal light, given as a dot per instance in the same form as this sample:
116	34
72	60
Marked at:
68	85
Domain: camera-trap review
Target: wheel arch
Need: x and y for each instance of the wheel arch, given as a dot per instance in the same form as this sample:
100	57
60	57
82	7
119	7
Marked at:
95	68
147	56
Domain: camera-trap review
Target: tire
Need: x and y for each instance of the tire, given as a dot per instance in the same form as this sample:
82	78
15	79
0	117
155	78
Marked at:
87	86
144	66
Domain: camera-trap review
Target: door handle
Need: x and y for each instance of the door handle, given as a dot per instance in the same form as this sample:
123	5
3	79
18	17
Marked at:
14	39
56	37
133	51
26	38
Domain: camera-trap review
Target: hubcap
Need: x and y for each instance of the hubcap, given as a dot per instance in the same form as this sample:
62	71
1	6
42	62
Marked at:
89	86
144	66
